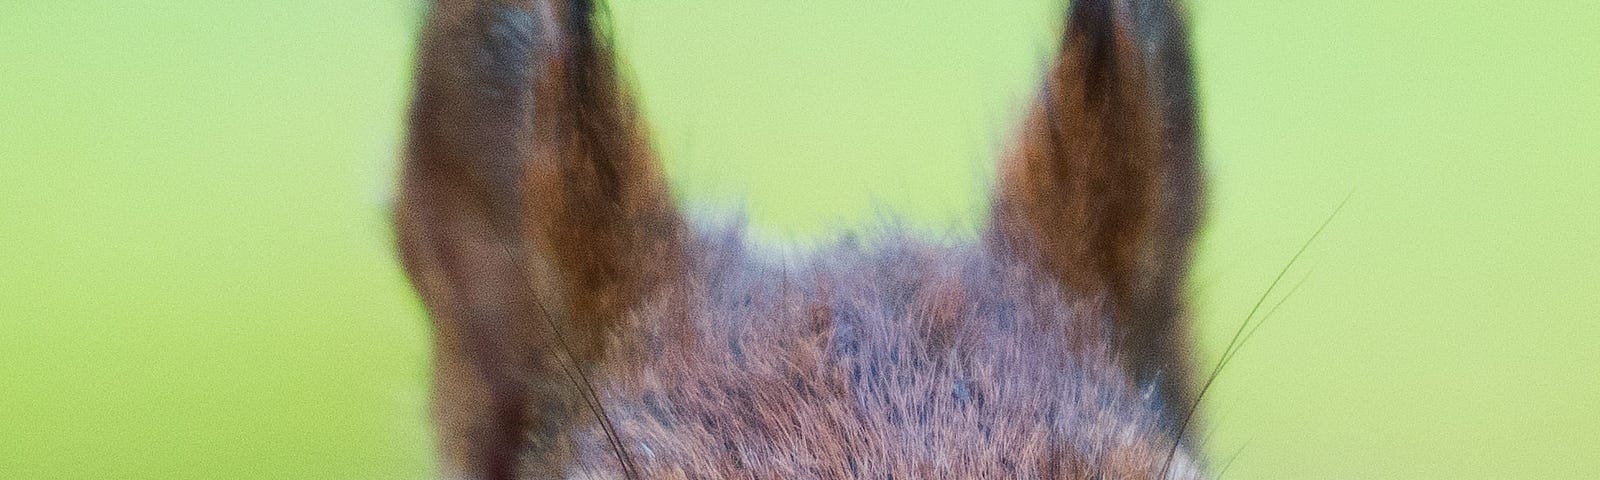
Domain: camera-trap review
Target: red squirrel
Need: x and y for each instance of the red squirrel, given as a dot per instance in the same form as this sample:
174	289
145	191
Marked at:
585	327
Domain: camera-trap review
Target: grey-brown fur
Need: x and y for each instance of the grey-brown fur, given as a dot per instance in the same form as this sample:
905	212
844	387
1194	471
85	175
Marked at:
584	330
905	359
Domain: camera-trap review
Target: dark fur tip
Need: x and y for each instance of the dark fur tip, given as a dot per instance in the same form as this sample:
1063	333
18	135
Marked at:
1092	8
504	49
1096	18
580	13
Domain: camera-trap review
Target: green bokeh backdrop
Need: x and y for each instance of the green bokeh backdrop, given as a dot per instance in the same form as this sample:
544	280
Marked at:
196	279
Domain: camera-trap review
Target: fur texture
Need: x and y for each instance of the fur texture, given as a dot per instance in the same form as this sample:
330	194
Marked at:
584	330
902	360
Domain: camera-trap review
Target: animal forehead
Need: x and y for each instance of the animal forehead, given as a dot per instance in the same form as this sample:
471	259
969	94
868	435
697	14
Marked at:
900	283
907	360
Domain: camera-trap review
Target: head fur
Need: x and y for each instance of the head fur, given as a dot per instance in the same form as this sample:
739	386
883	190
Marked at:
585	329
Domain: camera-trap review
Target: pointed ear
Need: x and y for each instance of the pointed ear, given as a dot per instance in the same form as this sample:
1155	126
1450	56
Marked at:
532	215
1101	186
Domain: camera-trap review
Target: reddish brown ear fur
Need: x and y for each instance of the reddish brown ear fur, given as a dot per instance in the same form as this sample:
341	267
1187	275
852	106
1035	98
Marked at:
1102	183
531	215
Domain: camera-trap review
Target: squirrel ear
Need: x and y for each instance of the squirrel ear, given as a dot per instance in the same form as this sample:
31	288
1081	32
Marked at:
532	214
1101	186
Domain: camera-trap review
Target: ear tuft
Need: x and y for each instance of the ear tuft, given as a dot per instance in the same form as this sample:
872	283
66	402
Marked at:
1098	188
532	215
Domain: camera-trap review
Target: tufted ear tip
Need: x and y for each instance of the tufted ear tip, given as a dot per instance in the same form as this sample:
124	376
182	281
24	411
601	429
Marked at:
532	214
1100	186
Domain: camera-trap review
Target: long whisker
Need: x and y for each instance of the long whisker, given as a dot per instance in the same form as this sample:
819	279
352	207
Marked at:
591	397
569	361
1265	317
574	372
1233	343
1231	458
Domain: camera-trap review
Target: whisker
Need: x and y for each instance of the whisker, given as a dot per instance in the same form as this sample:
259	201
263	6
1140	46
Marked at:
591	397
1233	342
569	362
1231	458
574	373
1265	317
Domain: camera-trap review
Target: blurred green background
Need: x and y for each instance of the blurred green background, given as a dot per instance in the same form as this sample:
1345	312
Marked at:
196	278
